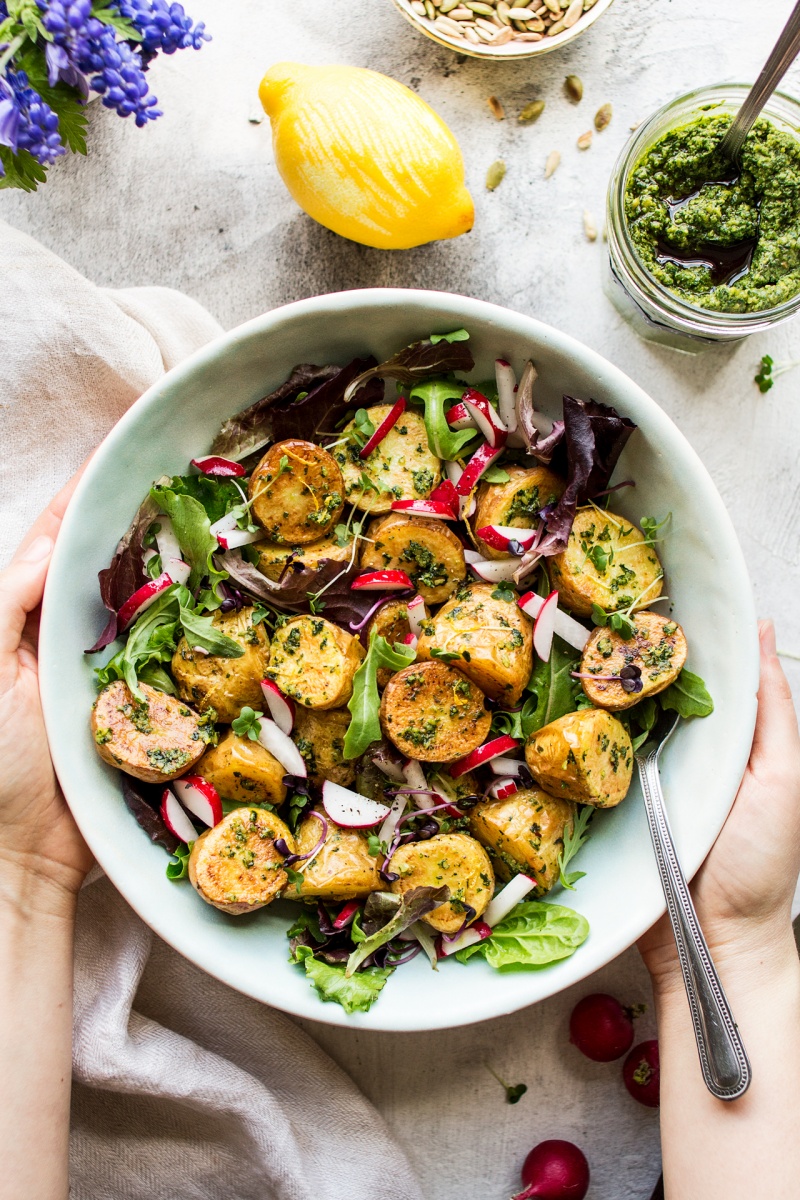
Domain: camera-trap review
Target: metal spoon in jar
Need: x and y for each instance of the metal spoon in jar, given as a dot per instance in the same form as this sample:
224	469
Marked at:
783	55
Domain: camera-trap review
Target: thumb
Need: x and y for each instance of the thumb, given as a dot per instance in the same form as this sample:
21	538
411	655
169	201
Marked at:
21	590
776	733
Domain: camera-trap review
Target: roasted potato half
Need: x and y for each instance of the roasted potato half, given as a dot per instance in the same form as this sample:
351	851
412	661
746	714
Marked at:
493	637
225	684
342	870
243	771
272	558
524	834
516	503
429	553
585	756
657	649
297	492
314	661
607	562
453	860
391	622
319	736
433	713
155	739
235	866
401	467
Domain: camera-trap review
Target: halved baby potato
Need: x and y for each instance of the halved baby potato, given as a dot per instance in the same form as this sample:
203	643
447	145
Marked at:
391	623
607	562
585	756
658	649
453	860
342	870
297	492
401	467
224	684
516	503
424	547
493	638
319	736
272	558
235	866
433	713
314	661
244	771
155	739
524	834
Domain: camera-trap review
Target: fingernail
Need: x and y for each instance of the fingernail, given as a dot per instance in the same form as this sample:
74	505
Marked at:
39	548
767	634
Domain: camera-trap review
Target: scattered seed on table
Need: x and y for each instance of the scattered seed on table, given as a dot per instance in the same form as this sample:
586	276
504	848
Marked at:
585	140
573	85
531	112
602	118
497	109
553	159
589	227
495	175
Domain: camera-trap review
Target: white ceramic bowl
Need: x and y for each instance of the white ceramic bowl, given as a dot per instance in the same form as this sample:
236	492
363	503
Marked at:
706	576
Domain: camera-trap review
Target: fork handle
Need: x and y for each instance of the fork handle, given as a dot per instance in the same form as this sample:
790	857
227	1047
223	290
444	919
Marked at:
723	1059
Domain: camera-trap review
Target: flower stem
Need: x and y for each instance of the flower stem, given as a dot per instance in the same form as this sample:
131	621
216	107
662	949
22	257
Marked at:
11	50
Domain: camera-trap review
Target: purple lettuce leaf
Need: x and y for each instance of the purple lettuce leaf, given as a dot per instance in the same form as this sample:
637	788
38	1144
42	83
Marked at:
126	572
338	603
143	801
420	360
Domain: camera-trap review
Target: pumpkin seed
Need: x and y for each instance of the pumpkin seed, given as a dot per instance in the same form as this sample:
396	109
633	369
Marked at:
482	10
495	175
536	25
520	14
602	118
553	159
448	27
503	35
573	85
419	8
585	140
460	14
430	10
589	227
531	112
482	34
528	37
553	5
445	6
573	13
558	27
503	9
497	109
487	26
471	35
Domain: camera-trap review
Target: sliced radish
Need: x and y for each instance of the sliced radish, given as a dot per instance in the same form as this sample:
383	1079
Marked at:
508	899
175	818
481	460
416	614
349	809
239	537
414	776
411	640
517	768
142	598
178	570
346	915
381	581
567	628
545	626
224	524
390	766
388	422
214	465
503	788
485	753
478	931
458	417
445	493
167	542
395	815
506	393
473	556
511	539
485	417
466	504
281	708
281	746
496	570
451	810
426	508
200	797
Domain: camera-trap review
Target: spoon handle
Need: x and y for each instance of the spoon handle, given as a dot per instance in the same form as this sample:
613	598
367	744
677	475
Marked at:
783	55
723	1059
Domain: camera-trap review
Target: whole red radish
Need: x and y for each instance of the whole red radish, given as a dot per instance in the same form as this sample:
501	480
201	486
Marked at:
601	1028
555	1170
641	1073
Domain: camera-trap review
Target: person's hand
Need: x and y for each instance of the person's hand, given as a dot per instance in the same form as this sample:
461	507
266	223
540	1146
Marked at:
743	892
38	836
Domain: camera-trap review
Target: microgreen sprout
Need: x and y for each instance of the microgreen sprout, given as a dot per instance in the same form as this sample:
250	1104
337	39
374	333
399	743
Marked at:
767	372
514	1091
246	724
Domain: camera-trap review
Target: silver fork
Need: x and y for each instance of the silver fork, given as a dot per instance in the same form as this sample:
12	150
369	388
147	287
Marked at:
723	1058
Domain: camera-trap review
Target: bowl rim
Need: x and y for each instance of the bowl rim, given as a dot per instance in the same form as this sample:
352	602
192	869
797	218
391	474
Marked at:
134	888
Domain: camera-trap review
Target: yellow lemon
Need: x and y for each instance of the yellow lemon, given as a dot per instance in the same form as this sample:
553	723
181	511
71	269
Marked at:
365	156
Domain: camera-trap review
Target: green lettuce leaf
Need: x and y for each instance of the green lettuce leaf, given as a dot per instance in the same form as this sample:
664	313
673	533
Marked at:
193	531
554	692
356	994
414	904
688	696
217	495
365	727
438	395
530	937
202	634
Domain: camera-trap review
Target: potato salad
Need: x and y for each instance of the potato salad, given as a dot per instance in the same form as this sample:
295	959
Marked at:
383	655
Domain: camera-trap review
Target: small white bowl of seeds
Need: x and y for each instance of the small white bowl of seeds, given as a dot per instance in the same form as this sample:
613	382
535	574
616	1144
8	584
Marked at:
502	28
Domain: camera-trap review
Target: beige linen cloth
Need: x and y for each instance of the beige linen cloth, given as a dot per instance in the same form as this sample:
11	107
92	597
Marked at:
183	1088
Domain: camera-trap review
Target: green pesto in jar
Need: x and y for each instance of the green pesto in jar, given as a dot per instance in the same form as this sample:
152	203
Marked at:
717	237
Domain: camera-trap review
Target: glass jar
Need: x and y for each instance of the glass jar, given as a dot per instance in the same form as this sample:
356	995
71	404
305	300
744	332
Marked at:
656	313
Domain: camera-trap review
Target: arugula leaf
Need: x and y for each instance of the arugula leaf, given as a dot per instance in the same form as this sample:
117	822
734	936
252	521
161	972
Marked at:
193	531
295	877
574	839
201	633
531	936
643	716
355	994
458	335
688	696
554	692
178	867
246	724
447	656
155	676
414	904
495	475
438	395
509	723
365	728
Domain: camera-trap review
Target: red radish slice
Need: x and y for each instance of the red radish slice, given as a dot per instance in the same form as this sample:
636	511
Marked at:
478	931
416	614
503	537
506	393
426	508
178	570
214	465
281	708
239	537
411	640
481	460
503	788
381	581
515	767
346	915
224	524
567	628
388	422
466	504
485	417
458	417
445	493
281	746
390	767
396	812
508	899
496	570
485	753
473	556
141	599
167	542
451	809
200	797
175	818
349	809
545	626
414	776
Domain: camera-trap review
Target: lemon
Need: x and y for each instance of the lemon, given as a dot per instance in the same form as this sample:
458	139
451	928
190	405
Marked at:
365	157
